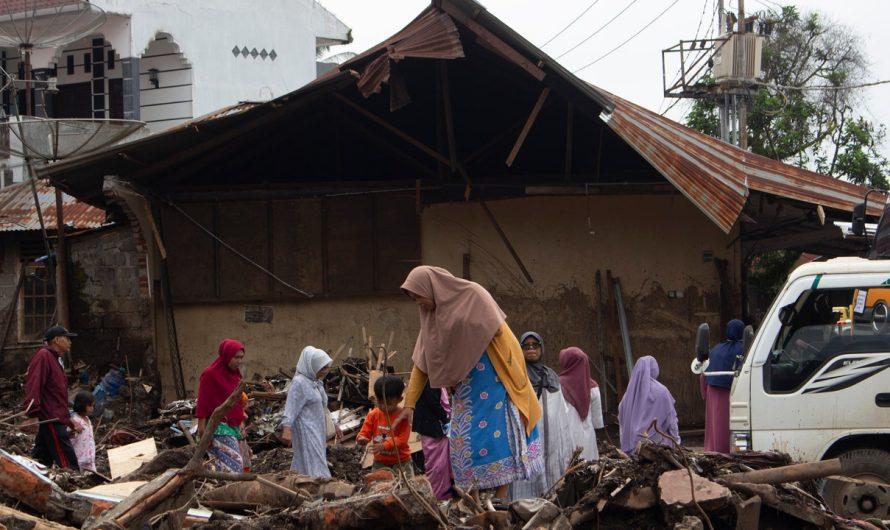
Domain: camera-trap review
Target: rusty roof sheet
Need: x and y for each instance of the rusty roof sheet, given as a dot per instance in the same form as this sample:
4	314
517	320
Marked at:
17	211
718	177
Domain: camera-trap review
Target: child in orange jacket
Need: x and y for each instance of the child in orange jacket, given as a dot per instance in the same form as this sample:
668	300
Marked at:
389	446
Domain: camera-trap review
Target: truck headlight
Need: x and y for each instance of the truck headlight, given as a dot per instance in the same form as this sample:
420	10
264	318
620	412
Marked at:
739	441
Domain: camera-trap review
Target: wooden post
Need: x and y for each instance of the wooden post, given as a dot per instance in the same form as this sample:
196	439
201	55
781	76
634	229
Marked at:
528	126
570	139
61	263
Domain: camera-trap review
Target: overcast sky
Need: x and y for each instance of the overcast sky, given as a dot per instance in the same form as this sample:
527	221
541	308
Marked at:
634	71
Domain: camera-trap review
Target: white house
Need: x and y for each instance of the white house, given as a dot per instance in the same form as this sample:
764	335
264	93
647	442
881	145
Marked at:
167	62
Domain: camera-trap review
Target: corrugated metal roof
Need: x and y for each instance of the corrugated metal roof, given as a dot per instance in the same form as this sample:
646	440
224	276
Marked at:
718	177
17	211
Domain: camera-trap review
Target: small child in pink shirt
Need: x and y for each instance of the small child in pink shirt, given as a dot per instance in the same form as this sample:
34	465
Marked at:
82	439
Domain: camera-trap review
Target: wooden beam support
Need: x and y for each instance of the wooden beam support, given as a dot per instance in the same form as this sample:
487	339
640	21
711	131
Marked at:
504	49
270	116
529	122
405	157
570	139
449	116
393	129
500	231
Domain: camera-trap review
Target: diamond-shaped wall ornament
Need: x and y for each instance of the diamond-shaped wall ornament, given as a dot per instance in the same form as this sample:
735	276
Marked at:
236	51
254	53
264	54
245	52
273	55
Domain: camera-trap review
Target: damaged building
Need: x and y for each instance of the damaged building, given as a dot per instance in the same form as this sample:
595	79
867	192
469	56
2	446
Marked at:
459	144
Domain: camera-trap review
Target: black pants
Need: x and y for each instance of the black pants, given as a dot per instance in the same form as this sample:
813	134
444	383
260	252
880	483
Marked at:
53	446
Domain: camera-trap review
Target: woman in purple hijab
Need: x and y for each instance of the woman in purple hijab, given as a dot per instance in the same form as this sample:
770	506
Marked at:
646	400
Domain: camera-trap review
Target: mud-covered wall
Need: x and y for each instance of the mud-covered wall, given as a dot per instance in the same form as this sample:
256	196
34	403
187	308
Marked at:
274	345
109	307
660	246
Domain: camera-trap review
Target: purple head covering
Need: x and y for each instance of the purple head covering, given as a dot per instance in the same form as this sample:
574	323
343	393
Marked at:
646	400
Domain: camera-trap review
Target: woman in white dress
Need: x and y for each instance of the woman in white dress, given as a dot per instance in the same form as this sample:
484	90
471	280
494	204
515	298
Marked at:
306	414
582	393
553	427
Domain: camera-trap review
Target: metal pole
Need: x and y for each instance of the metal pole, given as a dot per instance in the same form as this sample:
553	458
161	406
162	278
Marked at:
61	263
26	62
743	99
625	335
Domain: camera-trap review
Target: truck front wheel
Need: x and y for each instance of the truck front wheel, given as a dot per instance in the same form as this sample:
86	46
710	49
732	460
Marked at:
857	499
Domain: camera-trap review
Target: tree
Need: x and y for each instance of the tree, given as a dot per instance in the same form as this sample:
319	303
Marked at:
816	129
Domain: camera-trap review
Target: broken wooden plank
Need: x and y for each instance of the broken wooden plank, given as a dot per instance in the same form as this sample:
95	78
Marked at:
625	334
128	458
529	122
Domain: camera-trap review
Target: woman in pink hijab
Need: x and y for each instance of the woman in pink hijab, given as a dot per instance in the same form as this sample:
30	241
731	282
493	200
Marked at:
582	393
646	401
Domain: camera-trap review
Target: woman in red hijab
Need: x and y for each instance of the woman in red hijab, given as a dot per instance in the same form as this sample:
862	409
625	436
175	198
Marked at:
218	381
583	397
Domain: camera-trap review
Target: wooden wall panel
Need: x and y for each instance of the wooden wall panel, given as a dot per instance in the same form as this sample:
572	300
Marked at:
243	225
398	239
297	245
190	253
349	238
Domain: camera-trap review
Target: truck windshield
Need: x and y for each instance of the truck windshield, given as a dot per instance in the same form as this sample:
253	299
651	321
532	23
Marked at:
822	325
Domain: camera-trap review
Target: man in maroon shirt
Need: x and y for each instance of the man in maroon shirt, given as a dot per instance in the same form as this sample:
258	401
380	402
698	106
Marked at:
46	399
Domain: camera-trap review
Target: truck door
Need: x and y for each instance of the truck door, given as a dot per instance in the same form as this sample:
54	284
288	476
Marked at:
825	373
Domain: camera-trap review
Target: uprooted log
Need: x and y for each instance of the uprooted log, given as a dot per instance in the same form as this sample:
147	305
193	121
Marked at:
792	473
168	495
38	492
277	490
388	505
12	518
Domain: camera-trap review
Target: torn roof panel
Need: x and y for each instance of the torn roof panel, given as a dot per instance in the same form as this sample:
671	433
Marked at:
718	177
17	211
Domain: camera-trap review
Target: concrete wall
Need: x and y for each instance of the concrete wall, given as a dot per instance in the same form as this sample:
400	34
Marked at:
207	31
108	311
655	244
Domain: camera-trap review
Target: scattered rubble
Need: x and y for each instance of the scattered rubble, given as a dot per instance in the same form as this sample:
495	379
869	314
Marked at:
661	487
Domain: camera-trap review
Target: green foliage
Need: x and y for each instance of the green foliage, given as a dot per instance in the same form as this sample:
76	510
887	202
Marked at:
817	129
768	271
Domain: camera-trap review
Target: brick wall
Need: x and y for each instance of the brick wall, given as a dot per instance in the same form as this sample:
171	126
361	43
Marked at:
109	306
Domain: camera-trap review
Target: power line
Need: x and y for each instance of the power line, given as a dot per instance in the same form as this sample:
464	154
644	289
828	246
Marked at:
604	26
823	87
677	76
632	37
570	24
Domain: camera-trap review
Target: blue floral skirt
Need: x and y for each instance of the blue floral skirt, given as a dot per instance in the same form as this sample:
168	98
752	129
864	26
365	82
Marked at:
489	447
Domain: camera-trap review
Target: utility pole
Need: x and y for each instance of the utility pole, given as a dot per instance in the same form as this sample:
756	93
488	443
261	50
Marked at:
722	70
743	101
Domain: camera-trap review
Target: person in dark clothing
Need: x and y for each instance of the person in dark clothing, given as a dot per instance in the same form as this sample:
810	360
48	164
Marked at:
715	389
46	400
430	419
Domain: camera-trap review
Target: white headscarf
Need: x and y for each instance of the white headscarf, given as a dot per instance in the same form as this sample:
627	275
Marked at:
311	361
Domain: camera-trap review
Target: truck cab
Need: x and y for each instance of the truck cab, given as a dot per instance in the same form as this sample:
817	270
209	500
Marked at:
815	381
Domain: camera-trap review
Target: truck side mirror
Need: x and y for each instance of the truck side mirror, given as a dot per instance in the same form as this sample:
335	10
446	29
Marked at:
859	219
703	342
702	349
747	339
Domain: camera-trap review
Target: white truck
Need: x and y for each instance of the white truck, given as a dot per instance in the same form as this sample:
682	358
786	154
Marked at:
815	379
